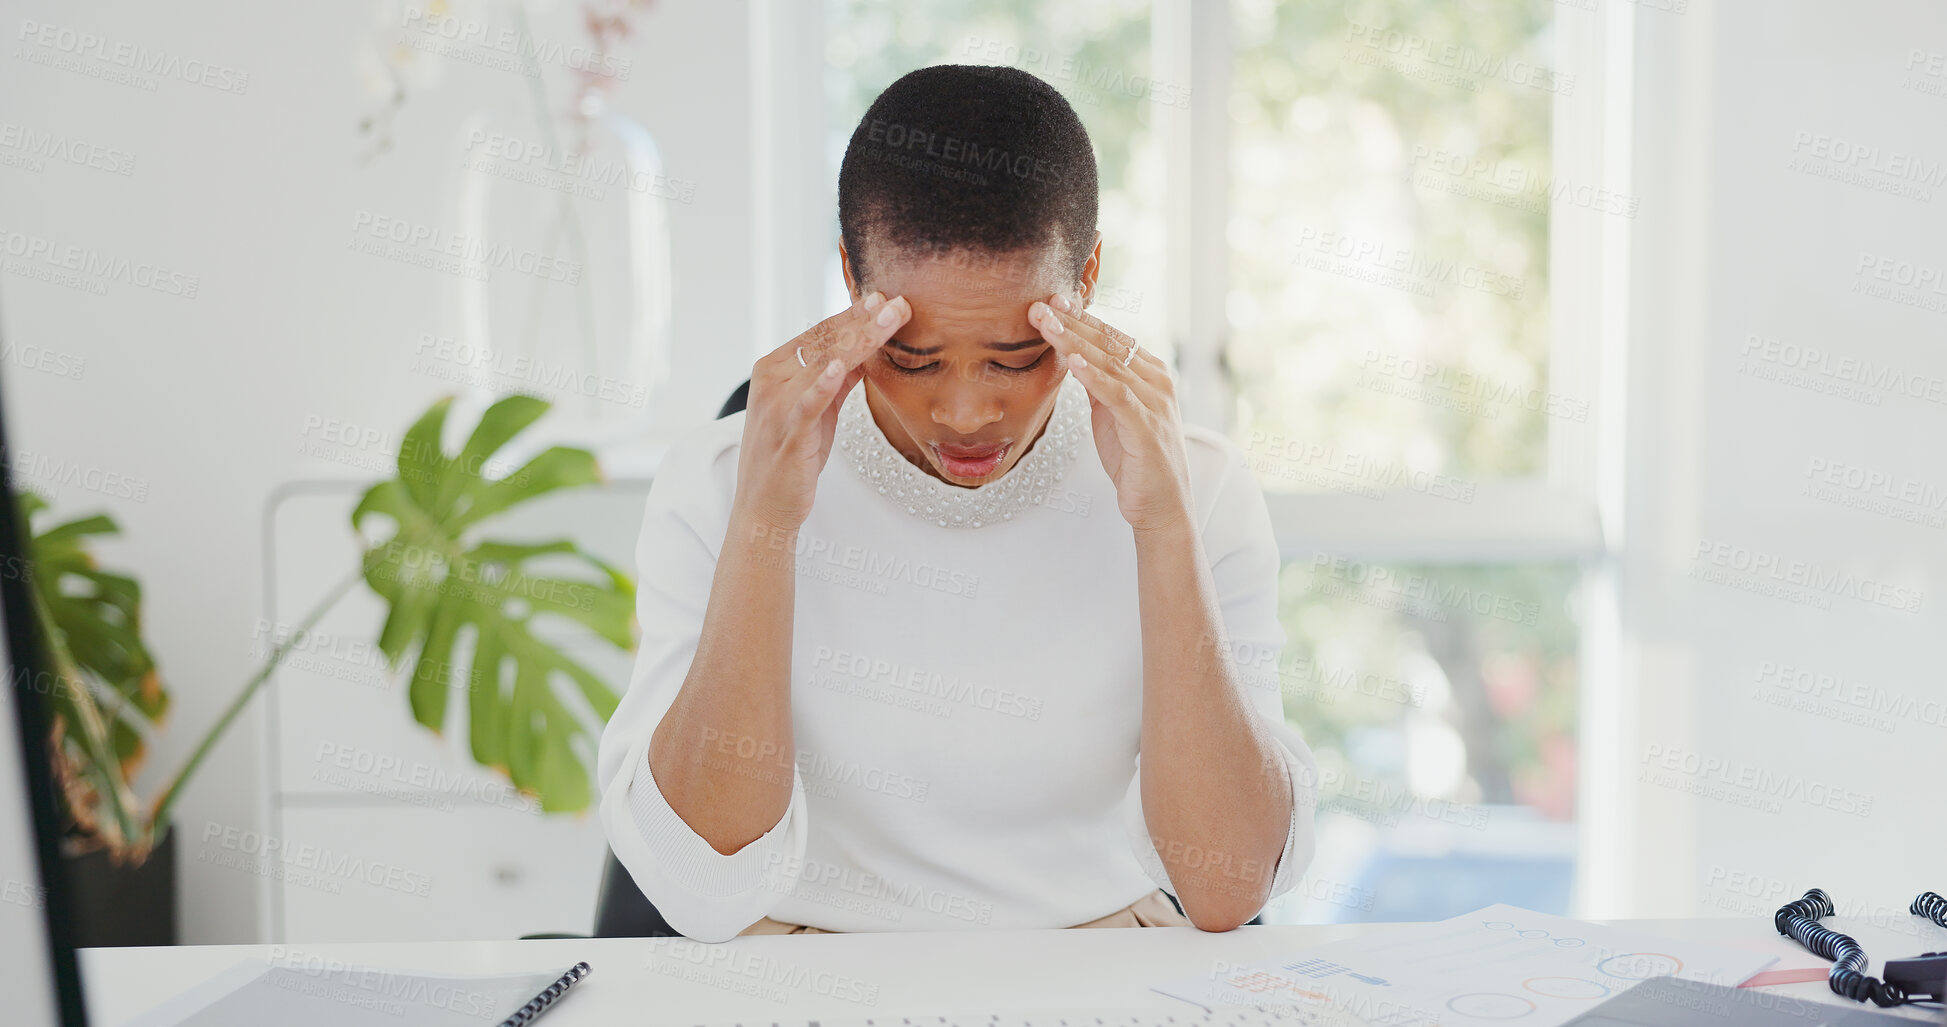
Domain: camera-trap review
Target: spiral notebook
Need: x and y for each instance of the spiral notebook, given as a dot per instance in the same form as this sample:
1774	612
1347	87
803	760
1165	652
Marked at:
319	992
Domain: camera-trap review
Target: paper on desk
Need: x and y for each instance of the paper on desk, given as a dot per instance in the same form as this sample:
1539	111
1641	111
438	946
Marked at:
336	994
1496	964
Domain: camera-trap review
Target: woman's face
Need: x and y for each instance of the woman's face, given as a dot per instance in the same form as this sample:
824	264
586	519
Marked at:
967	385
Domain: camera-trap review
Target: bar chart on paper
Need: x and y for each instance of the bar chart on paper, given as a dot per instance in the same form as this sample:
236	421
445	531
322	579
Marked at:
1496	965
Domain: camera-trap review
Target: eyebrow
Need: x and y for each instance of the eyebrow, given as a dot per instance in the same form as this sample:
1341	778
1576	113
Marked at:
1004	347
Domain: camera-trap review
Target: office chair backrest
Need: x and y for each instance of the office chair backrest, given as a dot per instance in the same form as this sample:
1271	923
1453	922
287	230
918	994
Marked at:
736	401
621	910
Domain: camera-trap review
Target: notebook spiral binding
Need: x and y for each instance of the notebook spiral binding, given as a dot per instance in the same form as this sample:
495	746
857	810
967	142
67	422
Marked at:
539	1003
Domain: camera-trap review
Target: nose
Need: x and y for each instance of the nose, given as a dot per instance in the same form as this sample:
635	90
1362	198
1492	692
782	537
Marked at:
966	407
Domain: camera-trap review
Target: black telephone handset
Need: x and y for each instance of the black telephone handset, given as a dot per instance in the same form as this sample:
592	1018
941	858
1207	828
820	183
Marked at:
1922	977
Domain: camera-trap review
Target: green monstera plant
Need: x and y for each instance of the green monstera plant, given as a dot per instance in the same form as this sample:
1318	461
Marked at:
462	610
443	585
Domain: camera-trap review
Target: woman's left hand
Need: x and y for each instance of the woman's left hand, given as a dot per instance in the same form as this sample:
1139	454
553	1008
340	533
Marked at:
1138	431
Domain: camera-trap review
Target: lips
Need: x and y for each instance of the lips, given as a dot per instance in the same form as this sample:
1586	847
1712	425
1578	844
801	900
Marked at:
970	461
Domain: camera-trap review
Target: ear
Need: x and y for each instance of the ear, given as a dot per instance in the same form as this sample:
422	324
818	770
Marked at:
1091	270
845	267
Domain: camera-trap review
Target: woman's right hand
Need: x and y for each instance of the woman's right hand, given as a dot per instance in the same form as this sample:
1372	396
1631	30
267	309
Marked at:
791	413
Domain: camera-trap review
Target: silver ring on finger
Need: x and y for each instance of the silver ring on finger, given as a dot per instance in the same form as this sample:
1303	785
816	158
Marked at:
1131	355
801	362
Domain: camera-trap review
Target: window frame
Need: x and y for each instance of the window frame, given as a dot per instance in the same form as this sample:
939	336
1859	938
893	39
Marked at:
1553	516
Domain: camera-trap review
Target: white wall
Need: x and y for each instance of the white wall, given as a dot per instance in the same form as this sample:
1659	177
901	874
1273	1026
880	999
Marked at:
205	400
1729	797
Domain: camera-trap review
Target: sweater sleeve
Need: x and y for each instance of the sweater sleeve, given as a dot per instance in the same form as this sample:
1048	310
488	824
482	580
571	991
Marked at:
705	894
1244	566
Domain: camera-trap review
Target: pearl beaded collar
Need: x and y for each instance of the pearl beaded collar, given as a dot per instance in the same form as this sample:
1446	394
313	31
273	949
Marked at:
952	506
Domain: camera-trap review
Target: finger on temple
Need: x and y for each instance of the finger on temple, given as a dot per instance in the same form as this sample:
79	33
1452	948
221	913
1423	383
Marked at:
1042	315
872	333
1085	333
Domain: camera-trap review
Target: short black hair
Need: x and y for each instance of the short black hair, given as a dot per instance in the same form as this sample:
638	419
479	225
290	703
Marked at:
962	157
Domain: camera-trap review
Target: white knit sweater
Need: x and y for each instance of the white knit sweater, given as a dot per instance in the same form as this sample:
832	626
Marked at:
966	687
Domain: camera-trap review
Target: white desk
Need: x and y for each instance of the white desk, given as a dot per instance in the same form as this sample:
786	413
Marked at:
905	974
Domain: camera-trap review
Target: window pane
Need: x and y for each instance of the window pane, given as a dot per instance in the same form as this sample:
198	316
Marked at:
1095	52
1389	238
1441	704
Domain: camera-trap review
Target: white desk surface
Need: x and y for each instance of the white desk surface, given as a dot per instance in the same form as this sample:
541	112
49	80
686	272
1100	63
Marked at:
1105	970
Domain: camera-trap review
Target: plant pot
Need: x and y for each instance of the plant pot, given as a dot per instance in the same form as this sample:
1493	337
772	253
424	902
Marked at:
113	906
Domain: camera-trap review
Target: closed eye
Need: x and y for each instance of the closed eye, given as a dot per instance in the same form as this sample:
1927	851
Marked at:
903	369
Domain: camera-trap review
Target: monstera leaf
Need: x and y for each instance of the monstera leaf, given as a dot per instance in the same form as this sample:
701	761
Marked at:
465	610
103	689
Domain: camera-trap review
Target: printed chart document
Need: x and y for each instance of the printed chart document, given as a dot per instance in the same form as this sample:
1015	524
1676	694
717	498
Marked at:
320	993
1499	965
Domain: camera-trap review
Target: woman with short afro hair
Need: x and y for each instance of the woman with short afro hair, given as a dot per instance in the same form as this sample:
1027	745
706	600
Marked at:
958	625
